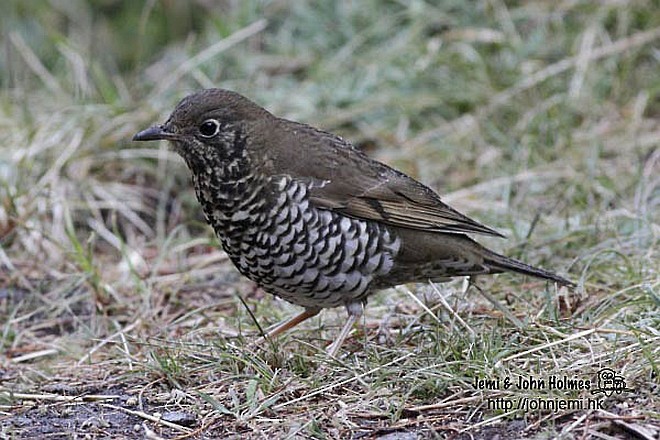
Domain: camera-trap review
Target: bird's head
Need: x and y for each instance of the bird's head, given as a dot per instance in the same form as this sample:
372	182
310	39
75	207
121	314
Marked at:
207	126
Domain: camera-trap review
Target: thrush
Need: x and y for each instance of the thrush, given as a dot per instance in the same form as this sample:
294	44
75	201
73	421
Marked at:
313	220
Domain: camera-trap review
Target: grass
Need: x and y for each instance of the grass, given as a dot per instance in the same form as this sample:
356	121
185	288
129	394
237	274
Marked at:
121	317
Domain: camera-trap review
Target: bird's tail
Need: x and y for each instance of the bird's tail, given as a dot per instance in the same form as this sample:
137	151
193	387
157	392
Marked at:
500	262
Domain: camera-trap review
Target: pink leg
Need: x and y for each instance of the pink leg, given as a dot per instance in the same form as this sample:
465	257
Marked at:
287	325
354	312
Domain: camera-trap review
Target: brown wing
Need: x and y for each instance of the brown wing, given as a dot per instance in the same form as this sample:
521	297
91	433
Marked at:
349	182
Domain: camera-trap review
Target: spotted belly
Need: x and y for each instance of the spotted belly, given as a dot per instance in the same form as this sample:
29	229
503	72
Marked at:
309	256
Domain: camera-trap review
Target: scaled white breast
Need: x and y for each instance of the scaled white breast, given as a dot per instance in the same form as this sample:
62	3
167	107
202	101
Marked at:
313	257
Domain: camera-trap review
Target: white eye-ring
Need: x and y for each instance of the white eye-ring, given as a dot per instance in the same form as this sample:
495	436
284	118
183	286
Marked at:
209	128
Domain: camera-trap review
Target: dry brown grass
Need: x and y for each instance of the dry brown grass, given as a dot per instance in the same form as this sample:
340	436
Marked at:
121	318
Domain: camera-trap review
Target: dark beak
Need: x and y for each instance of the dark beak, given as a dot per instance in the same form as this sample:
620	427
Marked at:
155	133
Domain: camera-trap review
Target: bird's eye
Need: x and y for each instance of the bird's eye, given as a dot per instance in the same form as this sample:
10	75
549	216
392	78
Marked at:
209	128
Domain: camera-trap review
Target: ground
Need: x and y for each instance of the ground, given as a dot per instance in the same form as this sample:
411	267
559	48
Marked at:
120	316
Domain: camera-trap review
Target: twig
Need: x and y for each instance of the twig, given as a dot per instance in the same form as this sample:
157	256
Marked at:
548	345
421	304
58	397
445	404
149	417
447	307
108	340
34	355
505	311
